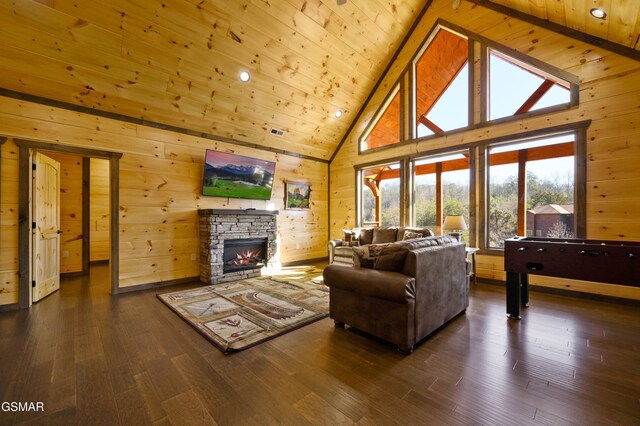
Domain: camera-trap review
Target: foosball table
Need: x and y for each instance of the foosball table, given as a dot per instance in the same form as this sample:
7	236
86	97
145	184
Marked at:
611	262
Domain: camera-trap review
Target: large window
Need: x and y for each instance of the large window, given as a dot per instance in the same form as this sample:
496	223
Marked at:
385	128
440	188
434	97
442	84
531	189
380	195
516	88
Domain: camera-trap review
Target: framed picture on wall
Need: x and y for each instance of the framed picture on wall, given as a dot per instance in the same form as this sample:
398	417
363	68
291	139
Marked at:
297	195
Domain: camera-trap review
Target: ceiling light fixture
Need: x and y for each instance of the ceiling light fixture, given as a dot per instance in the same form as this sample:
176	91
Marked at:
338	113
340	2
244	76
598	13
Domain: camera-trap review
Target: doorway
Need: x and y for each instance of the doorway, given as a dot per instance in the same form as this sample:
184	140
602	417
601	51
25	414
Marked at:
25	253
84	211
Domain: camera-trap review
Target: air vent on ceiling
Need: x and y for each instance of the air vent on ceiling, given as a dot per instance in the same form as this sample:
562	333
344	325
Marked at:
276	132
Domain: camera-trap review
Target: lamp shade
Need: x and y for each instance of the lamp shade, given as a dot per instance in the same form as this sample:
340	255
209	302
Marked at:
454	222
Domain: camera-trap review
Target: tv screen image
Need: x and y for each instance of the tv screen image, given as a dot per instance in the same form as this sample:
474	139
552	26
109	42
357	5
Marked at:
237	176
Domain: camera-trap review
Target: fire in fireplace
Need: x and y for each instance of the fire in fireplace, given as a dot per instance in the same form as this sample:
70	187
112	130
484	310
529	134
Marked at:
245	253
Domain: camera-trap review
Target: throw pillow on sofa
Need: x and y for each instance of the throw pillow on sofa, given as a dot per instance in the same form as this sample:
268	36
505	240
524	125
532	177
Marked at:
367	255
391	258
349	237
409	235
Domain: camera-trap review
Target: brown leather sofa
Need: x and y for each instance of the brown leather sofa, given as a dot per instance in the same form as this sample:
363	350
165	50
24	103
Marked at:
403	306
341	251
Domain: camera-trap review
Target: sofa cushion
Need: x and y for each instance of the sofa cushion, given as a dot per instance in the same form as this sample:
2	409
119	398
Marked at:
384	235
365	236
391	258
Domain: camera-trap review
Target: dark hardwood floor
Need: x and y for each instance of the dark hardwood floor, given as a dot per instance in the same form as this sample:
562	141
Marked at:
96	359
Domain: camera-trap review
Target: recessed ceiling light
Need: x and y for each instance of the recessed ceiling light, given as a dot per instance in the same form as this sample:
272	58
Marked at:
338	113
596	12
245	76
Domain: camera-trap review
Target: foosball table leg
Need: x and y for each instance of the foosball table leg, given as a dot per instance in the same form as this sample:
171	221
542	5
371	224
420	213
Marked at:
513	295
524	290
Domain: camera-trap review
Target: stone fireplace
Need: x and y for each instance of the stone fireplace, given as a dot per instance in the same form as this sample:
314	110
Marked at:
236	244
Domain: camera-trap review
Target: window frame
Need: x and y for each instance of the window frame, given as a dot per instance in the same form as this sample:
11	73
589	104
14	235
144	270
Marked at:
406	84
580	174
359	175
398	88
517	59
439	188
413	87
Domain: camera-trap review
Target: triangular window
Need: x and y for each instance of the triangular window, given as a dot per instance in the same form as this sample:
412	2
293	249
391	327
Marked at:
517	88
386	130
442	84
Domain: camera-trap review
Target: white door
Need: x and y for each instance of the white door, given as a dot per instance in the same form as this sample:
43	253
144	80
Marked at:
46	230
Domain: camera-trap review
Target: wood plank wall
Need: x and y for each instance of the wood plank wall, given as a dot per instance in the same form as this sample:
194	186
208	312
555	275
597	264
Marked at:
160	178
99	209
609	95
70	211
9	224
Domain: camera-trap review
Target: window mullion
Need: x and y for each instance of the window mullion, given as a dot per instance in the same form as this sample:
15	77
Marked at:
439	218
522	192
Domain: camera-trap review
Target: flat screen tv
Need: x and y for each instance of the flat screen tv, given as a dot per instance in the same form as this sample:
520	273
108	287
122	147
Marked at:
237	176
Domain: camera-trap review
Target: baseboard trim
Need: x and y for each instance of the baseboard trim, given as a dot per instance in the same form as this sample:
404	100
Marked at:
570	293
71	274
10	307
306	261
157	284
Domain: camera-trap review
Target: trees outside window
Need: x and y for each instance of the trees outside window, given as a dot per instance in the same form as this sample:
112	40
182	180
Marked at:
380	195
531	189
424	206
503	204
440	188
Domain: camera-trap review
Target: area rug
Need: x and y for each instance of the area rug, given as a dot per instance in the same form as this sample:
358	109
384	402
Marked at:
240	314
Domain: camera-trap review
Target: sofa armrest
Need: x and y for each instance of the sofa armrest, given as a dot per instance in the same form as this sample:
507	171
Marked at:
331	246
335	243
441	284
386	285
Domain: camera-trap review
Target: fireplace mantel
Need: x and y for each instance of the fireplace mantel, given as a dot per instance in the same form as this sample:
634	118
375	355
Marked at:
209	212
218	225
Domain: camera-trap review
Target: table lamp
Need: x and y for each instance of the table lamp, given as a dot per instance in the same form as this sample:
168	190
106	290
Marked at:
455	224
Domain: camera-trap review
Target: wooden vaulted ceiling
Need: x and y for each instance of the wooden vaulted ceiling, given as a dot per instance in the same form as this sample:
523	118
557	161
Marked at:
176	62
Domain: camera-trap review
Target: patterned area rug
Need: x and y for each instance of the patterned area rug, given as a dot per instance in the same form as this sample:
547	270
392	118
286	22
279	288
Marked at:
240	314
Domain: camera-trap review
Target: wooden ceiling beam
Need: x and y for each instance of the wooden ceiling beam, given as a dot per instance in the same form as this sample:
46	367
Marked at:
511	157
561	29
431	125
535	96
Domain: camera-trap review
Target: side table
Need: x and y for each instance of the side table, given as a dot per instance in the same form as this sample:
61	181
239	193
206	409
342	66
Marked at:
471	255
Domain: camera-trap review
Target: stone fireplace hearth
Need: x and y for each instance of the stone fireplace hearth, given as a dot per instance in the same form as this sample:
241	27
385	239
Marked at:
250	237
